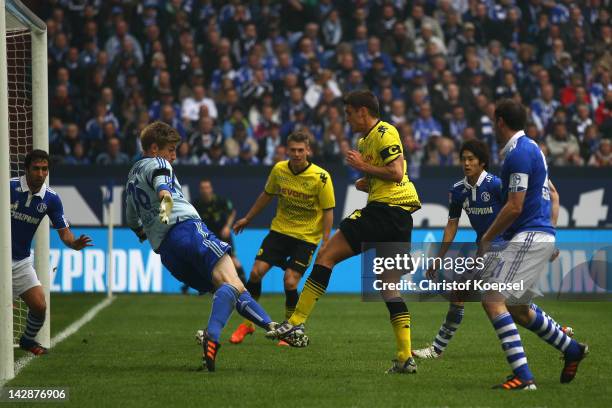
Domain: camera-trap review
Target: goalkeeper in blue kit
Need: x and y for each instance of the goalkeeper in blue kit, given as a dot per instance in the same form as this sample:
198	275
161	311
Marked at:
157	210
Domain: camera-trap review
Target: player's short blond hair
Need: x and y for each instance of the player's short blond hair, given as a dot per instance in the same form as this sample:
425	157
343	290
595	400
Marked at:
159	133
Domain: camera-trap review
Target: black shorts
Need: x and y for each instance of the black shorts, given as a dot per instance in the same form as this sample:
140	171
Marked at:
377	222
286	252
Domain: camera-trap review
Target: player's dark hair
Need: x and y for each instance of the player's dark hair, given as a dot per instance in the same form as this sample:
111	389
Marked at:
299	136
34	156
479	149
159	133
205	180
512	112
363	99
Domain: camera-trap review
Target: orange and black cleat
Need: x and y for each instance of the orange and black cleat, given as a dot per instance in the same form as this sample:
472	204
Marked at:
211	348
570	368
514	383
32	346
241	332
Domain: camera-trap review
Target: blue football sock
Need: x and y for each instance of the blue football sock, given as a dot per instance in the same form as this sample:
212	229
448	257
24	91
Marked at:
511	344
448	328
251	310
33	325
224	300
550	331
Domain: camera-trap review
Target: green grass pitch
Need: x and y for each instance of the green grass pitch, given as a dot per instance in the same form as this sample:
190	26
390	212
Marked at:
141	351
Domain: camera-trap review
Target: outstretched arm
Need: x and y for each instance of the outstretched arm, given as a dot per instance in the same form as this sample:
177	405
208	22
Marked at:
262	201
68	239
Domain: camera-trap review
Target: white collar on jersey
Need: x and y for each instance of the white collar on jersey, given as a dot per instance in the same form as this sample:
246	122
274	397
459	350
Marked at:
478	182
25	188
512	142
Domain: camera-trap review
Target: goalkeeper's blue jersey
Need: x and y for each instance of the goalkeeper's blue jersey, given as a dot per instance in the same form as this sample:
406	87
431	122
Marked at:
146	178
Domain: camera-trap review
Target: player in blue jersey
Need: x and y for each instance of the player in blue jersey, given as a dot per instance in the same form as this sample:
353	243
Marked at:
31	200
479	194
524	221
157	210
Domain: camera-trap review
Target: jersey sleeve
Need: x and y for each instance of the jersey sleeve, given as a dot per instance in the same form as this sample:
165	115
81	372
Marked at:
159	173
55	212
518	168
272	182
454	205
132	219
327	199
389	145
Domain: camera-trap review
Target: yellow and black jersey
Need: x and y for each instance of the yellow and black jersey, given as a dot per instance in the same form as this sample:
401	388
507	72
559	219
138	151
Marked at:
380	146
302	197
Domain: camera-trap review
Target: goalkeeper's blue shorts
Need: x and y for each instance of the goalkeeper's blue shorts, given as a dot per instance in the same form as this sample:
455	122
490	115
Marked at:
190	252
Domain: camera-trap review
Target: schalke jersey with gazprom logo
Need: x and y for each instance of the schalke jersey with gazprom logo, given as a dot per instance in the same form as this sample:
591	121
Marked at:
480	202
524	169
28	210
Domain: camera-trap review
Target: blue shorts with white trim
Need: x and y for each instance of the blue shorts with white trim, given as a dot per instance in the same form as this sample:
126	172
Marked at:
190	252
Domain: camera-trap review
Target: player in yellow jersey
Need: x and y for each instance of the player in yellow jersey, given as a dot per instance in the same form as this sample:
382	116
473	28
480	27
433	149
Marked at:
386	218
304	216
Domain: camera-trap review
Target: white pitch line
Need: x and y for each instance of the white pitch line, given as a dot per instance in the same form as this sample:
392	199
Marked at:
67	332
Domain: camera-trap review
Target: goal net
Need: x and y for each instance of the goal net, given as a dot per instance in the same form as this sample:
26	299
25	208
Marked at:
19	86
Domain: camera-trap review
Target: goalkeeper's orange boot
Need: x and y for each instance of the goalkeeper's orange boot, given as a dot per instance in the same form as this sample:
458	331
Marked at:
32	346
211	348
241	332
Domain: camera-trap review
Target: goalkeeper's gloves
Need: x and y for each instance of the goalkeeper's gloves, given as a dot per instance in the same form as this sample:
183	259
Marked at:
165	209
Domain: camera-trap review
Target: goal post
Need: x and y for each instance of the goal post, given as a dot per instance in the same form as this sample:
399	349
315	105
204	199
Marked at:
23	126
6	304
40	140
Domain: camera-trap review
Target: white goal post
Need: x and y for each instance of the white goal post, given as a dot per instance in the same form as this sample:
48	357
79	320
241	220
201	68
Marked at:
21	117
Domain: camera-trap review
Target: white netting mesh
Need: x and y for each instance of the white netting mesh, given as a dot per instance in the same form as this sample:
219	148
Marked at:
19	68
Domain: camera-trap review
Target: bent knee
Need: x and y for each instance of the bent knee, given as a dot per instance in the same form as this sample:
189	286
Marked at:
258	272
326	258
39	307
291	279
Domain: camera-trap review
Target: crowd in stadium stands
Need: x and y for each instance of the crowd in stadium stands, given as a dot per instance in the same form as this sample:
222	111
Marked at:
236	78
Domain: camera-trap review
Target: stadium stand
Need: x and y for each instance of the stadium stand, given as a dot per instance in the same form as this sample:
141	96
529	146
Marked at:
235	78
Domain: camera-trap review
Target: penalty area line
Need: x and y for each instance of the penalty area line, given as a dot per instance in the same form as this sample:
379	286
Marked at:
67	332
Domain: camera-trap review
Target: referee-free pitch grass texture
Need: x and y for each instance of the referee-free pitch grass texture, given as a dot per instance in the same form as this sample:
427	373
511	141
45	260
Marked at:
141	351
